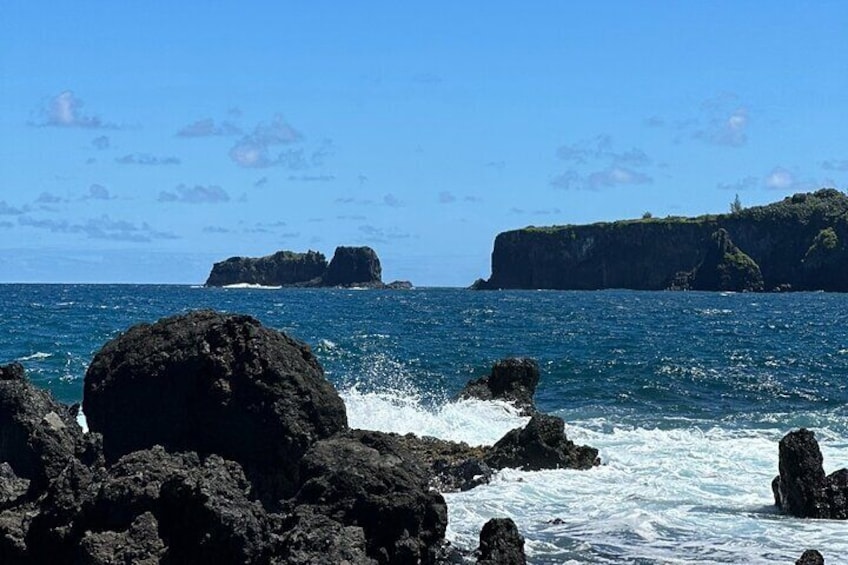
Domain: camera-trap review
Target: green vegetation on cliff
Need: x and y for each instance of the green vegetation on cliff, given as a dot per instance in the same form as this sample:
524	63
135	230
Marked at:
798	243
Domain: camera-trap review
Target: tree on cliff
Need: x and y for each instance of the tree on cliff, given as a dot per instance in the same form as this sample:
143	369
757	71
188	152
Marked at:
736	205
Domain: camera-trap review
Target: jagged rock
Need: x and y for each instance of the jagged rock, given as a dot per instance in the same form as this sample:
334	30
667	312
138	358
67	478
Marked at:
12	487
353	266
281	268
399	285
139	544
802	489
213	383
501	544
314	538
810	557
452	466
38	436
725	267
512	380
367	479
542	444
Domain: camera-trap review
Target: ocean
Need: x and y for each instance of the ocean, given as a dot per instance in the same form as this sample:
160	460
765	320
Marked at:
686	396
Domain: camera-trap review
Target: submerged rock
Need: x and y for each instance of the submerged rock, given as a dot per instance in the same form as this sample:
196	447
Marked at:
511	380
541	444
802	489
501	544
213	383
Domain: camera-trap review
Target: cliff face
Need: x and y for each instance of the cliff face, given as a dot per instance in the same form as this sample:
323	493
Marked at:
800	243
350	266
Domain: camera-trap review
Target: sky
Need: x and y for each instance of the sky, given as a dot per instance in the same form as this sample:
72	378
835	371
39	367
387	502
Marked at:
143	141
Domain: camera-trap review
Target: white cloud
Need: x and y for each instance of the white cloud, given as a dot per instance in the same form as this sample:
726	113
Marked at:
780	178
253	151
65	110
208	128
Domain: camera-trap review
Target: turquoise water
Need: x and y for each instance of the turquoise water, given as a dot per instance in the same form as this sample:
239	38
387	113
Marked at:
685	394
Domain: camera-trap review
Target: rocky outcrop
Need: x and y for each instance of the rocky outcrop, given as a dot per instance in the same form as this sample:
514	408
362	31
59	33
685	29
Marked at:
349	267
353	266
281	268
175	486
368	479
810	557
511	380
501	544
725	267
541	444
800	243
216	383
802	489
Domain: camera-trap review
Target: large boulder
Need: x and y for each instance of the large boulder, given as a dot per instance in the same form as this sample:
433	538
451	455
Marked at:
351	266
213	383
501	544
541	444
512	380
367	479
802	489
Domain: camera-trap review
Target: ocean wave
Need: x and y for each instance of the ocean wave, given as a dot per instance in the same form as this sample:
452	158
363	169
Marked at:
253	286
37	356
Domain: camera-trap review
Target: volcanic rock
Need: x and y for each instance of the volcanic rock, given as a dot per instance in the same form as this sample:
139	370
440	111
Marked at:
38	436
541	444
810	557
725	267
511	380
802	489
367	479
213	383
353	266
281	268
501	544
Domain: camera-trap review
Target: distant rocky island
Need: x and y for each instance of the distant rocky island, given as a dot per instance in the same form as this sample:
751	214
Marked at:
350	267
799	243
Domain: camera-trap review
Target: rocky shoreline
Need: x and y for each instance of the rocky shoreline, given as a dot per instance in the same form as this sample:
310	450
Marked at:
215	439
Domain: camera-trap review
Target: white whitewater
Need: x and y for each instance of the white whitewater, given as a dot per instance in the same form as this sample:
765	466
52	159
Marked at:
680	495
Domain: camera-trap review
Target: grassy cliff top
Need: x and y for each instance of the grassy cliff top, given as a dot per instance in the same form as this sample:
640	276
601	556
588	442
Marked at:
827	203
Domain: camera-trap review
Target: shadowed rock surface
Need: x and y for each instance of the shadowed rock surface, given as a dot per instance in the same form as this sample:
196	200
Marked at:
802	489
727	268
501	544
353	266
213	383
511	380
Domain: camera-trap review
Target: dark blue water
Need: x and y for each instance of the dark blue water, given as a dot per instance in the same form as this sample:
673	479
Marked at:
642	356
706	383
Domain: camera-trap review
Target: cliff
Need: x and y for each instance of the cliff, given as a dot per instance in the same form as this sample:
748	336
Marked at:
350	266
799	243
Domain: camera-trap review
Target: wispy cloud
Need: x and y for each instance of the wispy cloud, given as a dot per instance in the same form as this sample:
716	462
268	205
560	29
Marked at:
208	128
392	201
197	194
312	178
835	165
102	227
375	234
781	179
446	197
216	229
741	185
254	150
146	160
8	210
261	182
723	121
596	164
97	192
65	110
49	198
101	142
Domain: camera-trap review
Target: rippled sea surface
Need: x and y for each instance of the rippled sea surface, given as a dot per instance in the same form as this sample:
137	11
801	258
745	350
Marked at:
686	396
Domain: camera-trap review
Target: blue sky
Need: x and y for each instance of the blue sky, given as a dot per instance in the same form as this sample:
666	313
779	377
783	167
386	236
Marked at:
141	141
